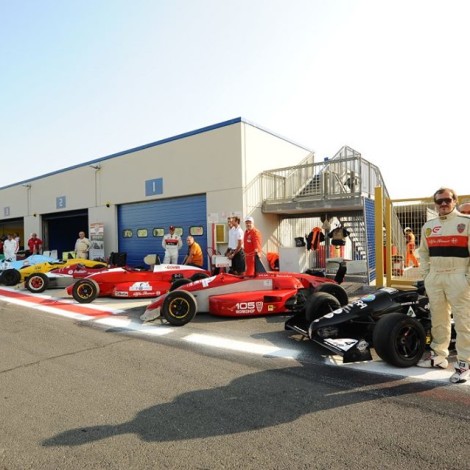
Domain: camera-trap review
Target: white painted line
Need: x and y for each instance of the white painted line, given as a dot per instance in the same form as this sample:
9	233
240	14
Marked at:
233	345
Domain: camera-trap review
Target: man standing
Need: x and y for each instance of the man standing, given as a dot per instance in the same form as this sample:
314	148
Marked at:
171	244
10	248
445	265
235	247
252	244
194	256
35	244
410	248
82	246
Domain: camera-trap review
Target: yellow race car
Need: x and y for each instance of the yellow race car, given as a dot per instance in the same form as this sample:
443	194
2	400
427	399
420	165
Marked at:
17	271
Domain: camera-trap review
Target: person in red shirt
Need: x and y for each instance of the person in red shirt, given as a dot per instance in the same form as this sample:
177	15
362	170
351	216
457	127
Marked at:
252	242
35	244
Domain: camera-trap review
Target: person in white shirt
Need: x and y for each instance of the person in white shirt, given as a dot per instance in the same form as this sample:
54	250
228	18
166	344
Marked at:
10	248
82	246
235	247
171	244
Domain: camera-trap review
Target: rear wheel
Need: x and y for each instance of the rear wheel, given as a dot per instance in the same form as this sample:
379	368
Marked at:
10	277
399	339
319	304
335	290
198	276
37	283
179	283
85	291
179	307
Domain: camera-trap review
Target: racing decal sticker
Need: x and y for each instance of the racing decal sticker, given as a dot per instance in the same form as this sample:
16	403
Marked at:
121	293
270	308
368	298
344	344
411	312
390	290
140	286
206	281
248	308
268	283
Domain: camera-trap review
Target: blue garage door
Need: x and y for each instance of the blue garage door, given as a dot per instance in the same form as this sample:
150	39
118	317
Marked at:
142	226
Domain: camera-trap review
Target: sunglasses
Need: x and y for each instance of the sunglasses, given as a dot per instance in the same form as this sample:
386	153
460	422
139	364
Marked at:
446	200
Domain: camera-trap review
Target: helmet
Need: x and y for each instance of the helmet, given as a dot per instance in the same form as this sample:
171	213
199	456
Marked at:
407	229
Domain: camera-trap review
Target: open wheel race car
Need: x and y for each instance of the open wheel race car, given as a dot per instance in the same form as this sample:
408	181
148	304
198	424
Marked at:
19	271
230	295
60	278
396	323
125	282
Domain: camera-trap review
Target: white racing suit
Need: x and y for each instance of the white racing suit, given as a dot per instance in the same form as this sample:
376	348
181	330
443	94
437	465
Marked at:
445	265
171	244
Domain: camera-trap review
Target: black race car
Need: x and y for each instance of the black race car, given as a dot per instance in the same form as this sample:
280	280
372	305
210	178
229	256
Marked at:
395	323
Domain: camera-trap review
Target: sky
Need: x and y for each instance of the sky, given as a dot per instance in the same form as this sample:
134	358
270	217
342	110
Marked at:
81	80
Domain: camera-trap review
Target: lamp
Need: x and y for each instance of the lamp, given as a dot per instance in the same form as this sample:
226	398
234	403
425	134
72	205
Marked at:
95	167
27	186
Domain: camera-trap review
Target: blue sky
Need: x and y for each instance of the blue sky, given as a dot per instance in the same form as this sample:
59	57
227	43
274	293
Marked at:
84	79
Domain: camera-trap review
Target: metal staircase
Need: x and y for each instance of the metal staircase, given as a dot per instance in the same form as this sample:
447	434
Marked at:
339	186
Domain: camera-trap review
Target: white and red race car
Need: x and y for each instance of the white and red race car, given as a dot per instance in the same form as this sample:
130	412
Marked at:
228	295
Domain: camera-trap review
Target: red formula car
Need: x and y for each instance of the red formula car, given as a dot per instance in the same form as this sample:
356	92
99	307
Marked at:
132	282
235	296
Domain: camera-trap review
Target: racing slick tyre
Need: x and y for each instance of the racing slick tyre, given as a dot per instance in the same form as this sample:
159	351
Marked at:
319	304
179	307
198	276
37	283
85	291
335	290
179	283
10	277
399	339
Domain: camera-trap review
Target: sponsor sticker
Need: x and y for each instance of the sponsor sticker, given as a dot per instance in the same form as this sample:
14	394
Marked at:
140	286
368	298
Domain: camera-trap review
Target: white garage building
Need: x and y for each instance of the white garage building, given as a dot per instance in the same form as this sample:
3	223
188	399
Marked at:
192	181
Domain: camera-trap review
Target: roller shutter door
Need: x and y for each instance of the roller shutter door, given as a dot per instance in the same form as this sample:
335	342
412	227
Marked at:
140	225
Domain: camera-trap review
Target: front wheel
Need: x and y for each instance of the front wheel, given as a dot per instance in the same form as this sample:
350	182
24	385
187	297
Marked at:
179	307
85	291
10	277
335	290
319	304
37	283
399	339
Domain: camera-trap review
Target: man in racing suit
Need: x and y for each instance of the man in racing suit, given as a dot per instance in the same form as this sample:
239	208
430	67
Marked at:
445	265
171	244
253	246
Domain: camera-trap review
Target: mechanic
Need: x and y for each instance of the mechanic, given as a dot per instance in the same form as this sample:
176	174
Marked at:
194	256
235	250
410	248
82	246
171	244
10	248
252	244
35	244
445	265
465	208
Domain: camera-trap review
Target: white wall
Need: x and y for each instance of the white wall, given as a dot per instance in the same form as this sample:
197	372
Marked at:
219	162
